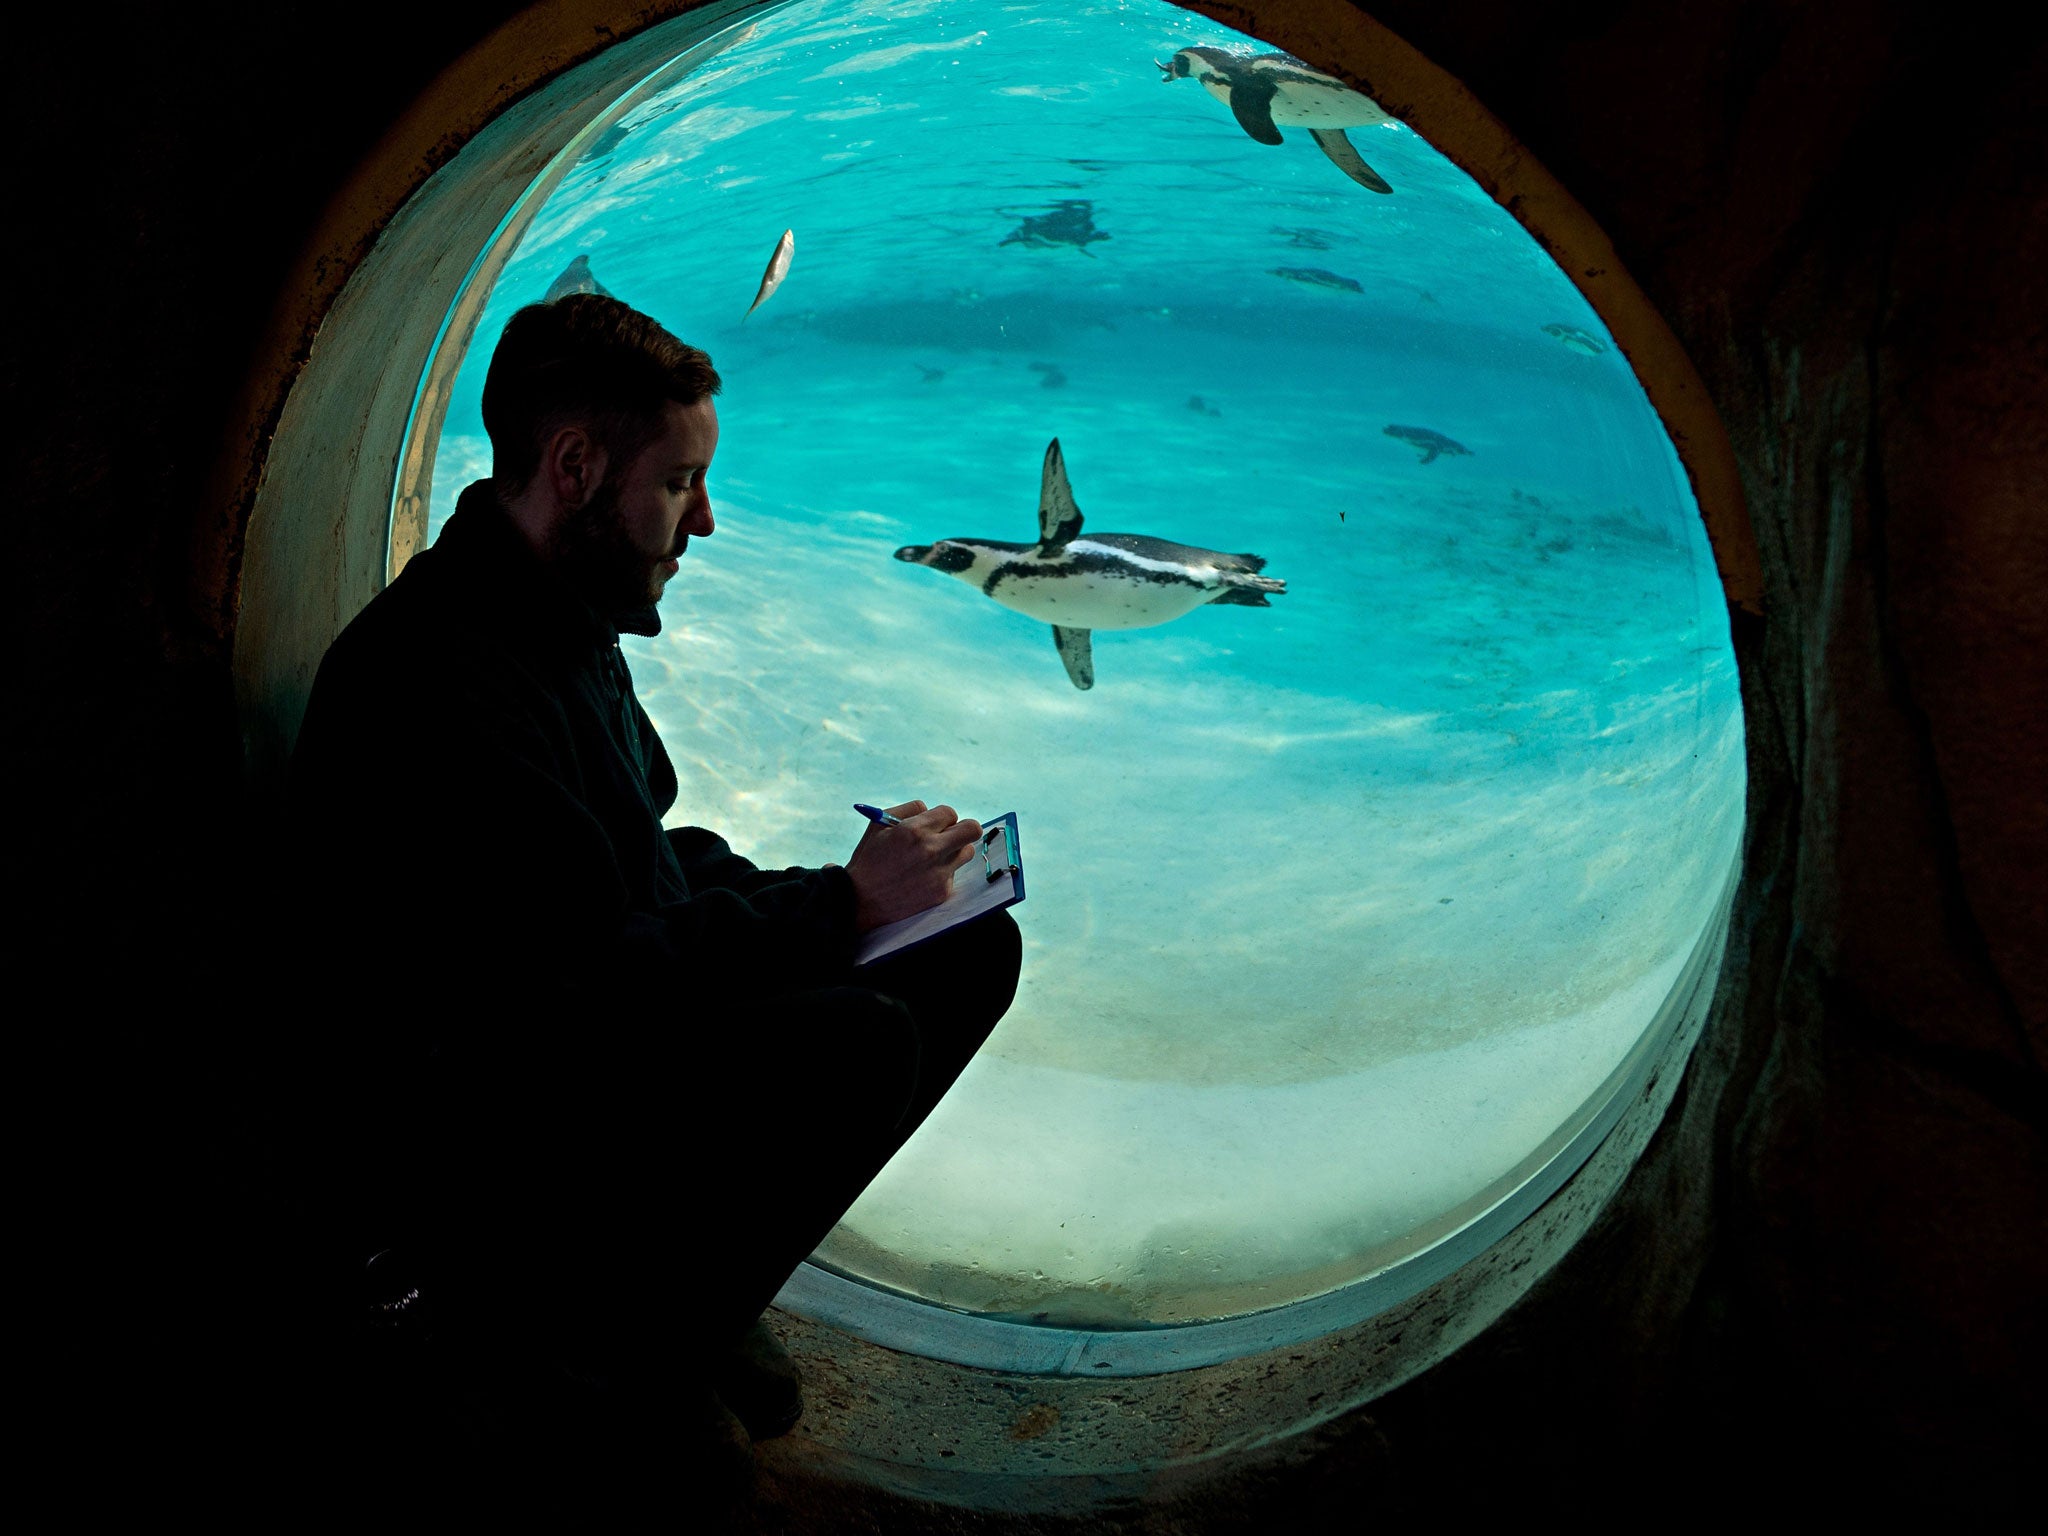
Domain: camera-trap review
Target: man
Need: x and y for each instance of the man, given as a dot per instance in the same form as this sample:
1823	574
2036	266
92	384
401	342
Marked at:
598	1086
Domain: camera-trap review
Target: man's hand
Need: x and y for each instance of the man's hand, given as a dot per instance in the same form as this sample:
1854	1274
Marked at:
901	870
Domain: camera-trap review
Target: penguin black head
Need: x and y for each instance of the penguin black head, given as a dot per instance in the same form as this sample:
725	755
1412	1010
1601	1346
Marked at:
1183	63
943	556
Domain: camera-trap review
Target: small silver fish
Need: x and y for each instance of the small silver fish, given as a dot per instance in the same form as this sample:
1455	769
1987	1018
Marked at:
1316	277
576	278
1575	338
778	269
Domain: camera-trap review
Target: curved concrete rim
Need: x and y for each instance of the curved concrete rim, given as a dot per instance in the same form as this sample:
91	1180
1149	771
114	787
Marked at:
912	1325
305	488
1067	1424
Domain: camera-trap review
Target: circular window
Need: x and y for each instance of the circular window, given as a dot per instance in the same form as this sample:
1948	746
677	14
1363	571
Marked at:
1364	871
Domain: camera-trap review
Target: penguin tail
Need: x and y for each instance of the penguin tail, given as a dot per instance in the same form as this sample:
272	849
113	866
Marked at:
1250	591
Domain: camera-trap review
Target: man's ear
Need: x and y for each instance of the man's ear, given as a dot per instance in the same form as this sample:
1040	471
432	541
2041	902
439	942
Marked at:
574	464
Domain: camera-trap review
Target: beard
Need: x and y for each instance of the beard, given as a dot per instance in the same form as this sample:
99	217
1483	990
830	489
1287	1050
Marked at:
593	552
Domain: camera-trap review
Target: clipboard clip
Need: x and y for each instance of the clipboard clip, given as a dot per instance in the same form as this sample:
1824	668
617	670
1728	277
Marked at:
997	864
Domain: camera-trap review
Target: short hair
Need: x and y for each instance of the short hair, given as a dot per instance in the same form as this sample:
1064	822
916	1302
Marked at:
590	360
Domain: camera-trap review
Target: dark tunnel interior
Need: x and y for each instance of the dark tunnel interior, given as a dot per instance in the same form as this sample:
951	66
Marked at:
1819	1289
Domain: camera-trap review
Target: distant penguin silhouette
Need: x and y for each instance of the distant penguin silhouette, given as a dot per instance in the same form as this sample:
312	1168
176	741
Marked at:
1307	239
1079	584
1071	221
606	146
576	278
1265	91
1430	441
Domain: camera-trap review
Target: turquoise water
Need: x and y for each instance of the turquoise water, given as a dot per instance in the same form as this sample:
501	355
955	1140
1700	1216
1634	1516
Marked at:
1339	907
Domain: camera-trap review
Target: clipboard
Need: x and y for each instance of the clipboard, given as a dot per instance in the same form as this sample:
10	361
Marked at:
993	878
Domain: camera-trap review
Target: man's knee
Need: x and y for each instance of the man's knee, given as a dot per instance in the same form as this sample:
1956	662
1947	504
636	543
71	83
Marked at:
1003	957
967	977
857	1055
978	981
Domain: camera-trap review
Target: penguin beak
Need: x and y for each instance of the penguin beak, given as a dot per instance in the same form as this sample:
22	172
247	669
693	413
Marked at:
1165	73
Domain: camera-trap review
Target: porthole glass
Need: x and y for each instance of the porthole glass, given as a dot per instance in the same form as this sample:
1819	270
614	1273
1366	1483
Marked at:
1378	842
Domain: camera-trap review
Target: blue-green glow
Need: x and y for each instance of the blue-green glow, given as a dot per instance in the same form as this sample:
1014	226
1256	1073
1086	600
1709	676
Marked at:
1340	907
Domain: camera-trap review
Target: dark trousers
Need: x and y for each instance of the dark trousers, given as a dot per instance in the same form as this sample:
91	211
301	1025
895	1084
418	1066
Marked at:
623	1210
638	1207
845	1076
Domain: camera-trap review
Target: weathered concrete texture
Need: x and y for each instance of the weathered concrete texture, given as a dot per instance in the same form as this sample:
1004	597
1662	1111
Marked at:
1823	1282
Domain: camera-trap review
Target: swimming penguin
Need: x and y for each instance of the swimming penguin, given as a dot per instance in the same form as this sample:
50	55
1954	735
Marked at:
1432	442
1103	581
1070	221
1268	90
576	278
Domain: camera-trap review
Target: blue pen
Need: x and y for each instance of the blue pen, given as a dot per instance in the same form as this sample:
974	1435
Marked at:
879	817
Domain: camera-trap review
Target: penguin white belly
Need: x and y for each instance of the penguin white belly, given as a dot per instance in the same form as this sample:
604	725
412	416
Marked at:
1311	105
1106	581
1324	107
1105	598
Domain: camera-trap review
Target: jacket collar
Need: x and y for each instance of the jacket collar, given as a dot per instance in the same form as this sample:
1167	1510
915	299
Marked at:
480	544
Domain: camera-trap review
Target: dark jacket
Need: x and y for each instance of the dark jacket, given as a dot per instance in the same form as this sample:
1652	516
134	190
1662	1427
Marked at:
479	800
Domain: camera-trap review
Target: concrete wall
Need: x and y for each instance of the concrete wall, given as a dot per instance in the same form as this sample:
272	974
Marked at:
1828	1267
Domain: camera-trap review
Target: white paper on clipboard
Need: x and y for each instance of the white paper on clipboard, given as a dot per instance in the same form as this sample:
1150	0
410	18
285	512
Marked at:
989	881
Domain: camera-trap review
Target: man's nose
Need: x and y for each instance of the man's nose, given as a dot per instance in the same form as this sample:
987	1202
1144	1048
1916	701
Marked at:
698	521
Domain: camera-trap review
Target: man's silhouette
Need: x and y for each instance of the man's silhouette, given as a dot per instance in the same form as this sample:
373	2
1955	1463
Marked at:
597	1085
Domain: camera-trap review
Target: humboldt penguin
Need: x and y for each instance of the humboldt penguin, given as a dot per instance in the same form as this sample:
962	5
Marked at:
1266	91
1432	442
1081	584
1070	221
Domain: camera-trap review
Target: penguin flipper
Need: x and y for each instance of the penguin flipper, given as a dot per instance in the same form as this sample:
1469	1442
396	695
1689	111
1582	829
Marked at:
1347	159
1429	454
1058	518
1076	654
1251	101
